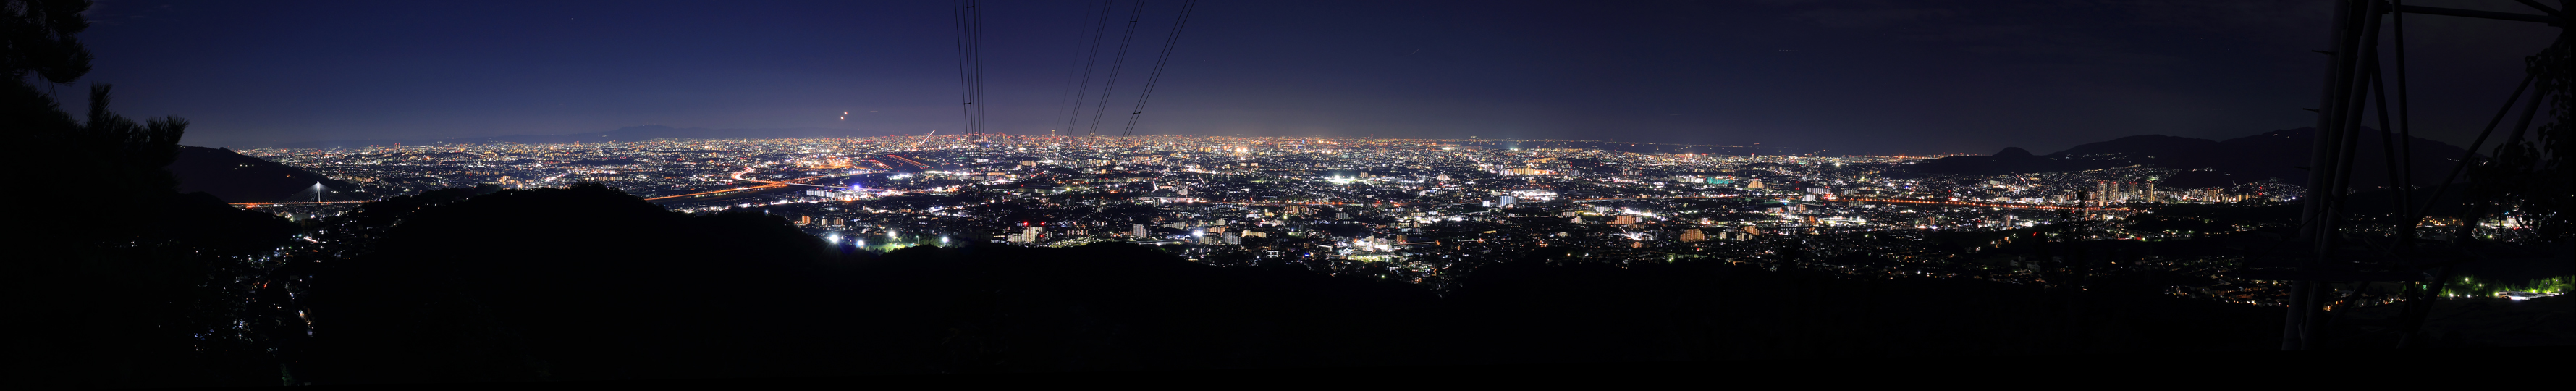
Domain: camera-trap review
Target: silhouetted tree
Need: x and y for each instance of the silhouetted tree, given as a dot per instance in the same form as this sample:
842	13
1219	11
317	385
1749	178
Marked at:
2531	174
116	278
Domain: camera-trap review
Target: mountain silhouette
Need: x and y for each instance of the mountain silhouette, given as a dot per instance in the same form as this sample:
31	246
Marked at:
236	178
626	134
2279	154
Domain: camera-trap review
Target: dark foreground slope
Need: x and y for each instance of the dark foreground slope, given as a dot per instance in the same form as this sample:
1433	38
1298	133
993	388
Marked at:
589	283
236	178
112	278
561	283
1537	311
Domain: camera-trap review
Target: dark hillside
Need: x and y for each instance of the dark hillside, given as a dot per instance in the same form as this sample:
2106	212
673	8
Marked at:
580	283
236	178
590	283
1534	312
2149	146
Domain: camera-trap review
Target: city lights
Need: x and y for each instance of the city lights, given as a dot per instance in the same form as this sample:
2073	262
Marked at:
1338	203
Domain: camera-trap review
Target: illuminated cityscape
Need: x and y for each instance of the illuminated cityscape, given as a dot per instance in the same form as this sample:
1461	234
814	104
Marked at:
1409	209
832	193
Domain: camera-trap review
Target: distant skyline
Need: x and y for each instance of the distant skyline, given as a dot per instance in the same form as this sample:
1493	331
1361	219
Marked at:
1858	77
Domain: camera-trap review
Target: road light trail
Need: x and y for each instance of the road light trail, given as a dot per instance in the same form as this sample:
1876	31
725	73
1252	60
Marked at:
1982	204
764	185
255	204
1895	200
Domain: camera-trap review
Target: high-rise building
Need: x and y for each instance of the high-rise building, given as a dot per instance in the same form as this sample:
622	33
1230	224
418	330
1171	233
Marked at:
1505	201
1692	235
2102	193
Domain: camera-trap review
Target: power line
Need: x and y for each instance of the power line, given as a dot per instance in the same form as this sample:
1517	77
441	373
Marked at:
977	17
970	63
1101	29
1115	65
1157	75
2395	142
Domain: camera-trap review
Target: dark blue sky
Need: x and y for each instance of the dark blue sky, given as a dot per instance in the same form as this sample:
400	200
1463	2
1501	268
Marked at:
1841	76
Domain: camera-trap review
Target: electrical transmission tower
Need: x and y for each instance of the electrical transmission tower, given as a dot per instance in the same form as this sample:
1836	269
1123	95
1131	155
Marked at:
2358	81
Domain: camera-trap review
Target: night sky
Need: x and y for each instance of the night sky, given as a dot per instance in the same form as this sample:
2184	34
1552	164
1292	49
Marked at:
1856	77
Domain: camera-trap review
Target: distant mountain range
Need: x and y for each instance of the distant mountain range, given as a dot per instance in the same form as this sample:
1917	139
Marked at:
237	178
2281	154
631	133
